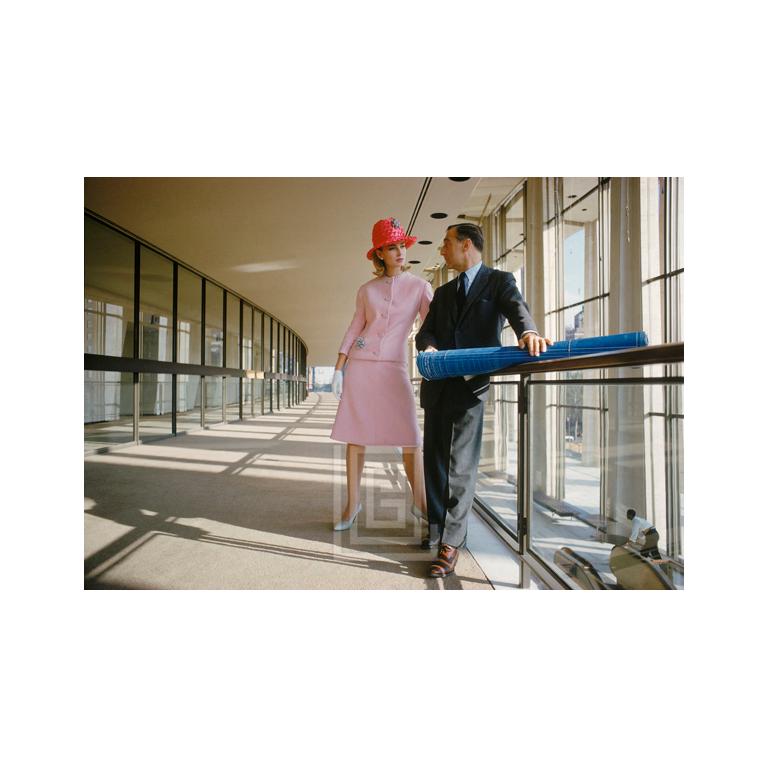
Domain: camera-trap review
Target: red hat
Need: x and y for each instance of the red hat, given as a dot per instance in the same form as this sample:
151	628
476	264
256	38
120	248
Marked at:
387	232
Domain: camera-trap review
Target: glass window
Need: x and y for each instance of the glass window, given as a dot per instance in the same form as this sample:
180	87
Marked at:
109	271
497	480
595	474
573	189
233	398
156	306
213	386
514	235
258	396
188	399
247	361
258	362
190	308
156	405
580	251
108	409
214	325
233	331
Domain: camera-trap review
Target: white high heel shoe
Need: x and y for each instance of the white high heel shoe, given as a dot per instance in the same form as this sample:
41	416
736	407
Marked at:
343	525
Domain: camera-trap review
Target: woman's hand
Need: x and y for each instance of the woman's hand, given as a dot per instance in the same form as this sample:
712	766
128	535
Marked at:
337	384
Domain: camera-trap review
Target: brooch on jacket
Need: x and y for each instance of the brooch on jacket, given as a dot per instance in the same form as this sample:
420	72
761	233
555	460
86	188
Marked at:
360	342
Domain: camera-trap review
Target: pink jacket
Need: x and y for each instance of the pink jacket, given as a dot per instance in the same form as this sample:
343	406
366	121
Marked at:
384	313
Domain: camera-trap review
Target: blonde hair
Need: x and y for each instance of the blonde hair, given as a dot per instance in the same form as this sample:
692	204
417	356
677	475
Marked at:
380	268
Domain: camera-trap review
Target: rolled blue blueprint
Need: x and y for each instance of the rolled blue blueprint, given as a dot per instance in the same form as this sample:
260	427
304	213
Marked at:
484	360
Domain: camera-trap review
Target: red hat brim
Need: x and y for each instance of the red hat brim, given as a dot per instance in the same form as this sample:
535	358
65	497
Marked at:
409	241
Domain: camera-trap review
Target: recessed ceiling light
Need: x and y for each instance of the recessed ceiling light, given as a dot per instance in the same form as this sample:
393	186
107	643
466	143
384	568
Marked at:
459	178
439	215
425	242
414	261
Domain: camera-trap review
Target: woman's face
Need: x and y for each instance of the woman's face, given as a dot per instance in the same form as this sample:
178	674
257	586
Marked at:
393	256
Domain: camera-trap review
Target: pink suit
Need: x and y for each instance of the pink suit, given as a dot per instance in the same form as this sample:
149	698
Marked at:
377	405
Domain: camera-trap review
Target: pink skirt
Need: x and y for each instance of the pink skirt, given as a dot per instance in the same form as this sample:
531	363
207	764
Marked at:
377	406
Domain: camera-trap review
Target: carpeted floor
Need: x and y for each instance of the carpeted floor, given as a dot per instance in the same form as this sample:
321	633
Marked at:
250	505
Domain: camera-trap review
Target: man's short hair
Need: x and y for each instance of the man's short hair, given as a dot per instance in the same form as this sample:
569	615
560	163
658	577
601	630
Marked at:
471	231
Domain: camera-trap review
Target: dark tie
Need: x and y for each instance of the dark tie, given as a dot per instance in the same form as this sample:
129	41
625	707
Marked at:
461	295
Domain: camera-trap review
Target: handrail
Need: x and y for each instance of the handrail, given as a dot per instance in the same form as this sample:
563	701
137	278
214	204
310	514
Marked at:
658	354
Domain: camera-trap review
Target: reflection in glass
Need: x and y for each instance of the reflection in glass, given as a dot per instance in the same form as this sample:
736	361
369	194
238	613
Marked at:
109	268
258	397
156	306
108	409
580	251
190	304
497	478
590	479
514	235
214	325
233	398
574	188
188	394
156	405
247	361
213	386
233	331
258	362
651	228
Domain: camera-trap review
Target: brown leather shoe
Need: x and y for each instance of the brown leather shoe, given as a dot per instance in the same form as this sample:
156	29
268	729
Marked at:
446	561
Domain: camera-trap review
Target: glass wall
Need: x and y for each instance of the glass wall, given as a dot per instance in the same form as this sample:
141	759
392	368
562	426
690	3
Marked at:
268	363
233	331
497	480
592	256
156	405
155	306
213	387
109	289
108	409
108	330
190	323
189	392
214	324
148	401
612	538
247	361
232	387
258	362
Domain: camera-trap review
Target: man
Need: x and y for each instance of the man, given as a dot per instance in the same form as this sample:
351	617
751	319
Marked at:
650	548
466	312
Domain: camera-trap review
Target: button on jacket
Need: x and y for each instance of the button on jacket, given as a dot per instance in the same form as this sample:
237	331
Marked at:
493	296
385	309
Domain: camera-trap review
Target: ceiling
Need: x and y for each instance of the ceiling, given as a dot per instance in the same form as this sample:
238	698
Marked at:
293	246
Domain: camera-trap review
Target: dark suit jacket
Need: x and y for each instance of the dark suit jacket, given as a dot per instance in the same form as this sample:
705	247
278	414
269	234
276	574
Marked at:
492	297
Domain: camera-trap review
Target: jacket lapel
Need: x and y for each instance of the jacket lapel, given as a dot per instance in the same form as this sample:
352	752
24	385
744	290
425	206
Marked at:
481	278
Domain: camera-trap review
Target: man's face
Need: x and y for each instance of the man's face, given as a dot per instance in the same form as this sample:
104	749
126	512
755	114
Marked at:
452	250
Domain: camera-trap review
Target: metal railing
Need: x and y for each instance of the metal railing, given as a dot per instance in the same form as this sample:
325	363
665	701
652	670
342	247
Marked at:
535	375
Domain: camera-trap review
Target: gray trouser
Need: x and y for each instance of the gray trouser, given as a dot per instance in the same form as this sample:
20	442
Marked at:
452	442
651	546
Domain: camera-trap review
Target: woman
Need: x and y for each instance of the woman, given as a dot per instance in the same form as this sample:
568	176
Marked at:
377	405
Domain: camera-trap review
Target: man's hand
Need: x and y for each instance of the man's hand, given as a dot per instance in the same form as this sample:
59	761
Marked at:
534	343
430	349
